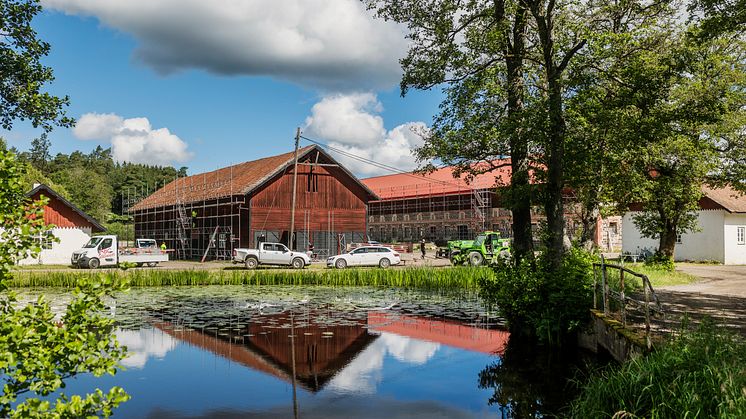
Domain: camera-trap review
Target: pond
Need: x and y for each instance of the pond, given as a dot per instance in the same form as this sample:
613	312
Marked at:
321	352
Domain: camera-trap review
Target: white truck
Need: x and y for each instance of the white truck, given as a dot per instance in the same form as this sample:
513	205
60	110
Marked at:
102	251
271	254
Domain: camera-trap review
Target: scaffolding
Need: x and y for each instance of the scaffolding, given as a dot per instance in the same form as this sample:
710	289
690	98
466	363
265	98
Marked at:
435	211
197	217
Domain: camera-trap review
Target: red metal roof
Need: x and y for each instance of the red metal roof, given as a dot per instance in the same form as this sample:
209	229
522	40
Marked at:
439	182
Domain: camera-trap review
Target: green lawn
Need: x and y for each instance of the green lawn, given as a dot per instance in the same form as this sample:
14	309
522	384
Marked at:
658	277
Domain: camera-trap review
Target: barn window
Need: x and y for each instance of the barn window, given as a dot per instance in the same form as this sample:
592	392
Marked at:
312	182
741	235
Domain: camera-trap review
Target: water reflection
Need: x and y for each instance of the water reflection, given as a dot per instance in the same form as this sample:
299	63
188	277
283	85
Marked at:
144	344
321	353
344	350
530	381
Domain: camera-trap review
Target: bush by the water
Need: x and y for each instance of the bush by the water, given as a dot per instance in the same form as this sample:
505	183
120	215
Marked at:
541	303
699	374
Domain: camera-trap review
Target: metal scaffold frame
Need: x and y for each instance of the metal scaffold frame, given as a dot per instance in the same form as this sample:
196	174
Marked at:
432	212
196	220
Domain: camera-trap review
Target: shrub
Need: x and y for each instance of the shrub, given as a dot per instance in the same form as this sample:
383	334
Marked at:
697	374
661	262
537	302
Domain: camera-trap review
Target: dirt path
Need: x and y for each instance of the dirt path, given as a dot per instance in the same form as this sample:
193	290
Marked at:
721	294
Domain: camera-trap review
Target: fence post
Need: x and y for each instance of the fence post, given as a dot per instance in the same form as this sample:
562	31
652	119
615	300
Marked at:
621	295
646	285
595	287
605	286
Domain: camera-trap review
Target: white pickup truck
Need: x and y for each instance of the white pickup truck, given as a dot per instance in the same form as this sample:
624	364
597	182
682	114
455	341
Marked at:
271	254
104	251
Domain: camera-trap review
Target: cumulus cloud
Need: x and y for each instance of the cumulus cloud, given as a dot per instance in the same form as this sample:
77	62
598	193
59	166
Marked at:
144	344
132	140
321	43
364	373
351	122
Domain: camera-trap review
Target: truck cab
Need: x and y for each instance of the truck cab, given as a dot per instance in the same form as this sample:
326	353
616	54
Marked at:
103	251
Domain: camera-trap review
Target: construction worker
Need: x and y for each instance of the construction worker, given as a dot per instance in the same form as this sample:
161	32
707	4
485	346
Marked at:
422	248
163	246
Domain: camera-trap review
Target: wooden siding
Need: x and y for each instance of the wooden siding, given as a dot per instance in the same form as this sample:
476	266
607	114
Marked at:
337	205
61	215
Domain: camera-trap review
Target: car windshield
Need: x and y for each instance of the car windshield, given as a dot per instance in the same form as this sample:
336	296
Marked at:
479	240
93	242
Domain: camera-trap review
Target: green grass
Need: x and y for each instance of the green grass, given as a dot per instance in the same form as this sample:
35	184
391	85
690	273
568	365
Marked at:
38	267
699	374
658	277
426	278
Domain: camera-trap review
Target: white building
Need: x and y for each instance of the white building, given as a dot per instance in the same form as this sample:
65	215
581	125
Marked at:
721	235
72	228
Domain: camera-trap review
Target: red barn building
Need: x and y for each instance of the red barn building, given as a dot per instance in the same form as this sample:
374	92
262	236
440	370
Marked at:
69	228
209	214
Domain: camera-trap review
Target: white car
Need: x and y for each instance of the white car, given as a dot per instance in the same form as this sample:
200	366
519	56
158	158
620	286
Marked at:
365	256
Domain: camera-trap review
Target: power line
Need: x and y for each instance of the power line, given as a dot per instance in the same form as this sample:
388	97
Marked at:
381	165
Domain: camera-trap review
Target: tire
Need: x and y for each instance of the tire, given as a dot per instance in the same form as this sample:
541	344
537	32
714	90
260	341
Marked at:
139	265
94	263
384	263
152	264
298	263
476	259
340	263
251	262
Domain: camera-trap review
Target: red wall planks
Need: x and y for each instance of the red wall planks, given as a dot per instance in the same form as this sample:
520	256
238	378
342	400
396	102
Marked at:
61	215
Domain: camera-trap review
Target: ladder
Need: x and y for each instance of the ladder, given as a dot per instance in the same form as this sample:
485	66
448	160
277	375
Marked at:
481	203
184	225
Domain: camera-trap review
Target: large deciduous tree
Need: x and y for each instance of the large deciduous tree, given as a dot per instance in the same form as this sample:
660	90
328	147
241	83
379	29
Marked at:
39	351
22	75
477	50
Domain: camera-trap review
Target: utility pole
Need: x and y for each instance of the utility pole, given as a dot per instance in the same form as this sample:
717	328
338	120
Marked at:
295	184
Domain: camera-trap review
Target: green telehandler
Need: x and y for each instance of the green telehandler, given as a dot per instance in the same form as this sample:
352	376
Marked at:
486	249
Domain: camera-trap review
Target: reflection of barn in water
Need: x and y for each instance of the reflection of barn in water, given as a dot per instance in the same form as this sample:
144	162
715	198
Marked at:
325	342
321	351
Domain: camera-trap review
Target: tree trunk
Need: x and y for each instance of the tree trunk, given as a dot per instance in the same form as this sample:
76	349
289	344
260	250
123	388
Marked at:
667	244
520	187
553	205
589	220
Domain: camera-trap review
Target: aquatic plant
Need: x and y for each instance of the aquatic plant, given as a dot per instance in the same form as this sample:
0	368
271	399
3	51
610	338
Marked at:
426	278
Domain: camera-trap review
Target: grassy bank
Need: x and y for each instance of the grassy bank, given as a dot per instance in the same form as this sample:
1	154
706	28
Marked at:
427	278
697	374
658	277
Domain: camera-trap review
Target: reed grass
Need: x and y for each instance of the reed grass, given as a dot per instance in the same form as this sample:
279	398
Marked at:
698	374
425	278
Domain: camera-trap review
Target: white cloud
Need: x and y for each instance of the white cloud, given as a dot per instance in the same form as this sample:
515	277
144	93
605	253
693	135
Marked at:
351	122
365	372
133	140
330	44
144	344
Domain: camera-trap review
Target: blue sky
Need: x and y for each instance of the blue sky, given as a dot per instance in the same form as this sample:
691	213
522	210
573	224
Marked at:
233	90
